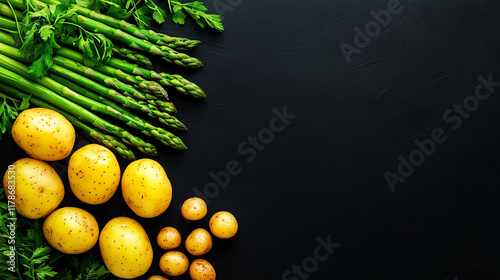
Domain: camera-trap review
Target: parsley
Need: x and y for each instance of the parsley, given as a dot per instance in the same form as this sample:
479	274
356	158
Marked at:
197	11
9	112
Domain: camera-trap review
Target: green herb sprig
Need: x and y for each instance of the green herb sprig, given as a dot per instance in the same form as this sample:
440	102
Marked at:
9	110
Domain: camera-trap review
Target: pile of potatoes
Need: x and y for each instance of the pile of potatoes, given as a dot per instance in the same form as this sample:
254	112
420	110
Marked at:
94	176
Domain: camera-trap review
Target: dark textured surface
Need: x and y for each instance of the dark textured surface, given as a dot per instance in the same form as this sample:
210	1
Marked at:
322	175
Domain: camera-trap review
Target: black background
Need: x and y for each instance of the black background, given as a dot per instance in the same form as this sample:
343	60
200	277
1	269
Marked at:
322	176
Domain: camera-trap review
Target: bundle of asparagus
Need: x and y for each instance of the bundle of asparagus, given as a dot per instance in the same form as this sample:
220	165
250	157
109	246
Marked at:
96	67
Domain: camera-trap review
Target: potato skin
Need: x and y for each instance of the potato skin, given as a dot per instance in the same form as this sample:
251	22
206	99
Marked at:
169	238
201	269
223	225
157	277
146	188
35	186
44	134
194	209
94	174
174	263
199	242
125	248
71	230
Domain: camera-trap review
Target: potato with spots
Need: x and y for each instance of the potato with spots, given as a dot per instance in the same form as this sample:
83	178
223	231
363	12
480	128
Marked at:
44	134
223	225
169	238
157	277
94	174
71	230
199	242
194	209
125	248
146	188
34	186
174	263
201	269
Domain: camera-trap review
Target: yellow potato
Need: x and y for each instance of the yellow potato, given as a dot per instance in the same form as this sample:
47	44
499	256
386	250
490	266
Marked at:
94	174
157	277
125	248
44	134
169	238
146	188
223	225
34	186
71	230
194	209
199	242
201	269
174	263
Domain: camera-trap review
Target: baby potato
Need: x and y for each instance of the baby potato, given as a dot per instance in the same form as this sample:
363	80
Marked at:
169	238
125	248
194	209
43	134
146	188
223	225
34	186
157	277
201	269
174	263
199	242
94	174
71	230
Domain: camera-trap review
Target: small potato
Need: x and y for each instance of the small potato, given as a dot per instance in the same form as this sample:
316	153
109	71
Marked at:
94	174
34	186
71	230
194	209
199	242
157	277
44	134
174	263
201	269
125	248
146	188
169	238
223	225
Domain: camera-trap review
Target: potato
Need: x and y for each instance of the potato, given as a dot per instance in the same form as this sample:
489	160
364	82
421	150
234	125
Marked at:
71	230
157	277
223	225
174	263
34	186
169	238
94	174
125	248
146	188
199	242
194	209
201	269
44	134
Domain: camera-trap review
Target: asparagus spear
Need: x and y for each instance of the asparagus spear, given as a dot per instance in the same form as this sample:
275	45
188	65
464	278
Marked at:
125	89
83	114
176	43
8	39
171	121
164	52
106	140
177	81
141	84
133	56
6	10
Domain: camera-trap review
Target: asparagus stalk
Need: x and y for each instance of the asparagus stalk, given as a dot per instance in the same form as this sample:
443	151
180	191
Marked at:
8	39
37	90
106	140
176	43
133	56
7	23
177	81
139	83
171	121
7	11
164	52
125	89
